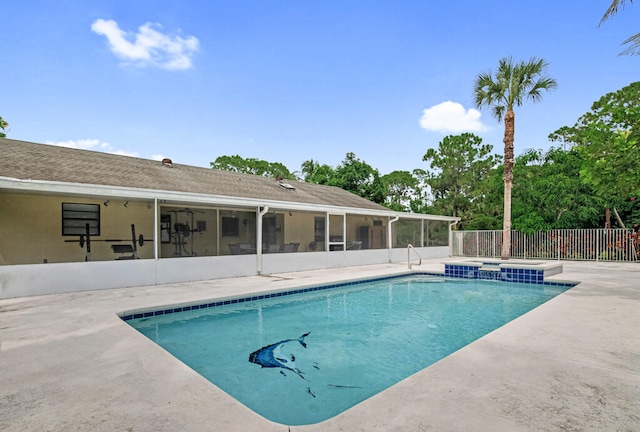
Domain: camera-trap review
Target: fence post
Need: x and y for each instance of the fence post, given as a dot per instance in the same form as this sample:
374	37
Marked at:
493	244
597	245
559	232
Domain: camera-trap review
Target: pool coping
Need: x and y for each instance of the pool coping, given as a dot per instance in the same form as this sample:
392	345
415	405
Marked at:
251	296
168	309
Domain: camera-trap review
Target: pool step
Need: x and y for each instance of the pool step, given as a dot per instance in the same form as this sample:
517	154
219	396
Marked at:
489	273
505	271
491	268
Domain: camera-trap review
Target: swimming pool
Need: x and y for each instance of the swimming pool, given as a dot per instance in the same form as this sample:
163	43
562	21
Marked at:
305	357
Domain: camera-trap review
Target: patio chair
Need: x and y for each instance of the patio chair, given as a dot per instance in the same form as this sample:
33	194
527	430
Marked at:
246	248
356	245
274	248
291	247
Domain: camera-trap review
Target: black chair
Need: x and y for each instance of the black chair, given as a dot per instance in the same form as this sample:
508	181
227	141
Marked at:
123	249
291	247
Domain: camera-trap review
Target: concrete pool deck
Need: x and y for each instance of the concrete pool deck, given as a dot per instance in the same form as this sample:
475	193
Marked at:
68	363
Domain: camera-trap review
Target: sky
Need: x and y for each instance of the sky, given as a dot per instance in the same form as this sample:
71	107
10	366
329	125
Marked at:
288	81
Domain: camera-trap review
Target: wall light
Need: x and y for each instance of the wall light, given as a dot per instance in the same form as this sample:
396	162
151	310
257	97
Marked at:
106	203
126	204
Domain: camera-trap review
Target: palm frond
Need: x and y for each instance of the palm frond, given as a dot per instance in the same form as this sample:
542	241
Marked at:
633	41
485	92
634	45
544	83
498	111
613	9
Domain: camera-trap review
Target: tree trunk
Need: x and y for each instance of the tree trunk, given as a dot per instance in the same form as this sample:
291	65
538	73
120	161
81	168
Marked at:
509	131
506	224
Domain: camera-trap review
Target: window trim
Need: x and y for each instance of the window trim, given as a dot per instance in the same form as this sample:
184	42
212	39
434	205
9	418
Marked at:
75	216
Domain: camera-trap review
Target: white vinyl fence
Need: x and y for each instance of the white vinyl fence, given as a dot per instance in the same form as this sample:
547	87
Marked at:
564	244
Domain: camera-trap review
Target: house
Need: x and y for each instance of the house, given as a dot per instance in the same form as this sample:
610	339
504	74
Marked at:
73	220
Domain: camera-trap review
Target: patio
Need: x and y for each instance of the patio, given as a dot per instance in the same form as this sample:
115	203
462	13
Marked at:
69	363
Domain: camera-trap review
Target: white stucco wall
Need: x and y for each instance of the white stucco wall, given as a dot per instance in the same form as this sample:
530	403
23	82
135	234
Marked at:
42	279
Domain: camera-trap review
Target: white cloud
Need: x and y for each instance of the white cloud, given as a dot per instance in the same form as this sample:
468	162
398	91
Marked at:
451	117
92	144
148	46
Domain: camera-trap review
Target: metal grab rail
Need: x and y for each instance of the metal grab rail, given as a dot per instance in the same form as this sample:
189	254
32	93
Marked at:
409	247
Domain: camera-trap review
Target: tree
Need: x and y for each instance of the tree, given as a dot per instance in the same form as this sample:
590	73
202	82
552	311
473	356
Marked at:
549	193
486	213
313	172
607	137
514	83
352	174
458	168
402	190
252	166
3	126
634	41
360	178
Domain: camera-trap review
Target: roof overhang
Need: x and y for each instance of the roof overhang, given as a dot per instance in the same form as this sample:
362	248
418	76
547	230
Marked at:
172	197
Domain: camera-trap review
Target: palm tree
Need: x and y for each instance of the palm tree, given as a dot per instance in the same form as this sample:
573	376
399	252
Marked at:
633	41
513	84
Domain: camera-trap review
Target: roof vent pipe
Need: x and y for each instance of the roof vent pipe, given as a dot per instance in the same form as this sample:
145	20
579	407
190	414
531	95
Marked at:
167	162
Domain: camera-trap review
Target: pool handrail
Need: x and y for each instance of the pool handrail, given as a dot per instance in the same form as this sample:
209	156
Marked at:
409	247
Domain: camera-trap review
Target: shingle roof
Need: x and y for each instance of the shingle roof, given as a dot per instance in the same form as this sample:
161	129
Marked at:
31	161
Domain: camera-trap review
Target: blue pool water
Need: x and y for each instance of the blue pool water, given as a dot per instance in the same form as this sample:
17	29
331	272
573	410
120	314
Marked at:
304	358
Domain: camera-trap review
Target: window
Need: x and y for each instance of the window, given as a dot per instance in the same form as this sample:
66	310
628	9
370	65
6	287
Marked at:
165	228
230	227
319	229
436	233
407	232
75	218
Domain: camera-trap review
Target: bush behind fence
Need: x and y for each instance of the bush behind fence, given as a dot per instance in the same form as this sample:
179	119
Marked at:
565	244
